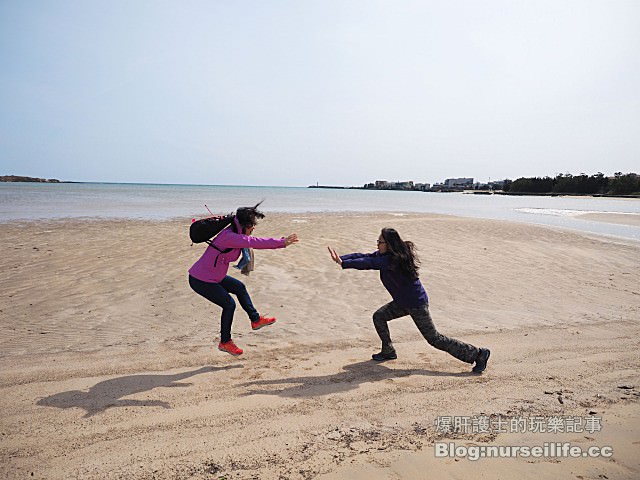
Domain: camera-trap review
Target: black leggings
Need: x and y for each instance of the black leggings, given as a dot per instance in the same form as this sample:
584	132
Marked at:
422	318
218	293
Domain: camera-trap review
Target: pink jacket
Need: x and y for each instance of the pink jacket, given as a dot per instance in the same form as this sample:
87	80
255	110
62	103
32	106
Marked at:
213	265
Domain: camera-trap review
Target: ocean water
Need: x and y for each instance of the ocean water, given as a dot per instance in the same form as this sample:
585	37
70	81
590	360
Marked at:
33	201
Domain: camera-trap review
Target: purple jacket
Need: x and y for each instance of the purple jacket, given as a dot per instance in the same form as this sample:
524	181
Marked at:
406	292
213	265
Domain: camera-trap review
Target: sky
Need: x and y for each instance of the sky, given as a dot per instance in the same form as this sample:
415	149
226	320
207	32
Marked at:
335	92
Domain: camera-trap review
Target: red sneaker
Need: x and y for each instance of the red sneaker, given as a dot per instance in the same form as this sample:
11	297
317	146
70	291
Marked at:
230	347
262	322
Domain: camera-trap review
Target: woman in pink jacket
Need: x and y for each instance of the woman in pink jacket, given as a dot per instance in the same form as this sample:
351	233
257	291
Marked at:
208	276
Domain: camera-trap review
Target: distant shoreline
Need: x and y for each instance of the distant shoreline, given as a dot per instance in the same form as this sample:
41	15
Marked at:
24	179
483	192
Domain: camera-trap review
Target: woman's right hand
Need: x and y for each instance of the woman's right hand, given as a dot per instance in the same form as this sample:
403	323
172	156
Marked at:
334	256
293	238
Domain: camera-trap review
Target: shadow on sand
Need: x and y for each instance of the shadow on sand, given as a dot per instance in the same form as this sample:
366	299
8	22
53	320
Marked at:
108	394
350	378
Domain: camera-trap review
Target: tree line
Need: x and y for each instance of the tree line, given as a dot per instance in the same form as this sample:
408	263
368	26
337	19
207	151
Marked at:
18	178
619	184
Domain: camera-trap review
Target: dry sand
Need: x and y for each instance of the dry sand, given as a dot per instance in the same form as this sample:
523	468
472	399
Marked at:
109	367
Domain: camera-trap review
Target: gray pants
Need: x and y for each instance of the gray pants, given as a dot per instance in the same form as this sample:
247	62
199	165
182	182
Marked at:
422	318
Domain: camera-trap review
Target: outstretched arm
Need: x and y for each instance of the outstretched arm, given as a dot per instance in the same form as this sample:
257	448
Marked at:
364	261
238	240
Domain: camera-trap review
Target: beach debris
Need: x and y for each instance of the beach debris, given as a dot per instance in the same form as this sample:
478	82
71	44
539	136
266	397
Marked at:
419	429
560	399
626	387
359	446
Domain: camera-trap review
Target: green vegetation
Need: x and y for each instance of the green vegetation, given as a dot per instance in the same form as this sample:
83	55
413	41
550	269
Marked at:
619	184
17	178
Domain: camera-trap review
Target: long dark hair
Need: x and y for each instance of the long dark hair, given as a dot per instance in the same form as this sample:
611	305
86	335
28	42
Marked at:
403	254
248	216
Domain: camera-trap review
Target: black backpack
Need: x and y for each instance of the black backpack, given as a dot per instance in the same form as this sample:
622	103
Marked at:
202	231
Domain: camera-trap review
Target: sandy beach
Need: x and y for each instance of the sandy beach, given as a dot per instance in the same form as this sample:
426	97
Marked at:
110	369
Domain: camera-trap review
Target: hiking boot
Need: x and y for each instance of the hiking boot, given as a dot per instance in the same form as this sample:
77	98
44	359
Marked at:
481	361
230	347
262	322
382	356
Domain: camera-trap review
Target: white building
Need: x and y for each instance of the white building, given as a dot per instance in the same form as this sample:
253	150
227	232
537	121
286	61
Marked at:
458	182
403	185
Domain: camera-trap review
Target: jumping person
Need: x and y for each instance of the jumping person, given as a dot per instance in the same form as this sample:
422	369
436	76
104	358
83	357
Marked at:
398	265
208	276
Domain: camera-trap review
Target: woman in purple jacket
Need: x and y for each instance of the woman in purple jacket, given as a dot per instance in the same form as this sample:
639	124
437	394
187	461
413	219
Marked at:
208	276
398	265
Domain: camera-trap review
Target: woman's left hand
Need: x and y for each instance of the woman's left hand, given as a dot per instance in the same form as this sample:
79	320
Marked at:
334	256
293	238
